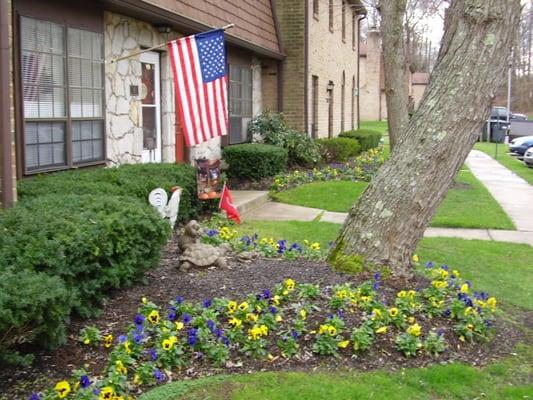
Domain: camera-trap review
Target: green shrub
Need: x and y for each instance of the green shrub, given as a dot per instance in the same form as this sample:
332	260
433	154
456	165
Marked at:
127	180
254	160
88	243
367	138
34	307
271	128
339	149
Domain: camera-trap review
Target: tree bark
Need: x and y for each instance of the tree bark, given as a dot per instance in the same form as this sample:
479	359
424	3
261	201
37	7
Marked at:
385	225
395	66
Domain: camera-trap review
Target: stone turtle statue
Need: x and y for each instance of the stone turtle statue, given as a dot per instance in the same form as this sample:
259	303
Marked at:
196	254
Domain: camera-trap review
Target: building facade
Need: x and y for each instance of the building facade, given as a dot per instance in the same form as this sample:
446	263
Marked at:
320	40
77	92
372	82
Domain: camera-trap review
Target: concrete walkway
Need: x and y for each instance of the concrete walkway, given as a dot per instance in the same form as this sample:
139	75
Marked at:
513	193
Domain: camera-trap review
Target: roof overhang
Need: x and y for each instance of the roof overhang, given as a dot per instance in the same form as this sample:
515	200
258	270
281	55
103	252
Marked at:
160	16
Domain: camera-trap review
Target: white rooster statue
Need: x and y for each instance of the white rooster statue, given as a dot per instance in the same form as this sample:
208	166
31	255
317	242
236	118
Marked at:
158	198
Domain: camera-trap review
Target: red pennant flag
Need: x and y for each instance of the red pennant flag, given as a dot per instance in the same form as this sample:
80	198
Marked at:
226	204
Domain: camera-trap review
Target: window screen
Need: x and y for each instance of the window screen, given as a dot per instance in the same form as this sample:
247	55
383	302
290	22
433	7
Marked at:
240	102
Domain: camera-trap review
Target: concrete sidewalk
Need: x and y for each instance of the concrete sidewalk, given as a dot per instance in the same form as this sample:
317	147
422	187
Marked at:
513	193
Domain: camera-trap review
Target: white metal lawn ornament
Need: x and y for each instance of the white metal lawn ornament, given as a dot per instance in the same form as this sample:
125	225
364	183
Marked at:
158	198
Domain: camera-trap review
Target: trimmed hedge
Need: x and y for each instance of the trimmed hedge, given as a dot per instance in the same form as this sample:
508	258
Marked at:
339	149
367	138
136	180
254	161
71	249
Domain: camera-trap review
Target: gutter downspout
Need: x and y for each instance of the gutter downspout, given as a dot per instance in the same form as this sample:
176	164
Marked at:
5	109
306	67
280	63
362	17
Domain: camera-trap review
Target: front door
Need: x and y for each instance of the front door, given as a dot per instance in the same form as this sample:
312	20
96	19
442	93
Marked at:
151	107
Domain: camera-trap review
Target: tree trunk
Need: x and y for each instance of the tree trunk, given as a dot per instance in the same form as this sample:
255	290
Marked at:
384	227
395	66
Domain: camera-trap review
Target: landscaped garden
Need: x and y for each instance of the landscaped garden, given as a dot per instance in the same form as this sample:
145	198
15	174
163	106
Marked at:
93	296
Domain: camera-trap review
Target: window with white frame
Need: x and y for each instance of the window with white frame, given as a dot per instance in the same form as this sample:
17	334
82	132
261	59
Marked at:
62	90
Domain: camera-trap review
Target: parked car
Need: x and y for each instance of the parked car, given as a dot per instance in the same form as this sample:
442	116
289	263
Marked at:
519	117
521	144
500	114
528	157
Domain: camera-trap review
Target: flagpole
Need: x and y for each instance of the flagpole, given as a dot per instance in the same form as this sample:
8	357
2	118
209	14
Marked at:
114	60
222	195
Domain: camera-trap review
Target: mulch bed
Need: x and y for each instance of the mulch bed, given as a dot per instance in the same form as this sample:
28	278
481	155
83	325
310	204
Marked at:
166	282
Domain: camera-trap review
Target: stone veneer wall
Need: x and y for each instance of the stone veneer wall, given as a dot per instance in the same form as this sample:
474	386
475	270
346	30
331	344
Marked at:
329	56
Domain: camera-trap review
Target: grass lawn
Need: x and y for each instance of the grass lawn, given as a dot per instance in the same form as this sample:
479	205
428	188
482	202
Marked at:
469	205
507	379
381	126
517	166
499	268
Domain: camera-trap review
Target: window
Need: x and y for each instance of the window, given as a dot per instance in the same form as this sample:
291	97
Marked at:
240	102
343	20
315	8
354	29
314	100
330	15
61	70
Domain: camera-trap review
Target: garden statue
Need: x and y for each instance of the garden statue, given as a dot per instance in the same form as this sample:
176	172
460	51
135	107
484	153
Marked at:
196	254
158	198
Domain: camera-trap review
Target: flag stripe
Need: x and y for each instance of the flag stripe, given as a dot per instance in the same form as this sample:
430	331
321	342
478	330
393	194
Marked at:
200	81
179	92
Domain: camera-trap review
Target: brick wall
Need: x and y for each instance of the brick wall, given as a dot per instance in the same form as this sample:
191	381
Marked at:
331	57
269	81
291	21
370	84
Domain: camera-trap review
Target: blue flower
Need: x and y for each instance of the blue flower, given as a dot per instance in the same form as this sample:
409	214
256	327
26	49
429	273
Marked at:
440	332
377	276
212	232
139	319
272	309
179	300
294	334
225	340
266	294
171	316
340	314
444	267
158	375
96	391
153	354
186	318
282	246
429	264
137	338
35	396
488	323
84	381
218	333
296	247
206	303
211	325
192	339
447	313
122	338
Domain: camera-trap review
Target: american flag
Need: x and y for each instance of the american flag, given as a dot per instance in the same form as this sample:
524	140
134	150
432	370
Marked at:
200	81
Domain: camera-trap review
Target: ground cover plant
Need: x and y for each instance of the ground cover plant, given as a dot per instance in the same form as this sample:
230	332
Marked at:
468	204
284	322
508	161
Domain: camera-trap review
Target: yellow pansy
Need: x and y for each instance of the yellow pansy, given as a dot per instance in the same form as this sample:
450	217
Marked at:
144	300
106	393
414	330
343	344
415	258
382	330
278	318
455	273
464	288
63	389
108	341
411	320
255	333
393	312
289	284
121	369
235	322
87	341
232	306
127	346
491	302
252	317
401	294
243	306
332	330
443	273
303	314
167	344
275	300
376	313
341	294
315	246
264	330
153	317
179	325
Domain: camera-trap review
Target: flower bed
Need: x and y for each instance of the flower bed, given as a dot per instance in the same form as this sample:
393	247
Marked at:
361	168
292	320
